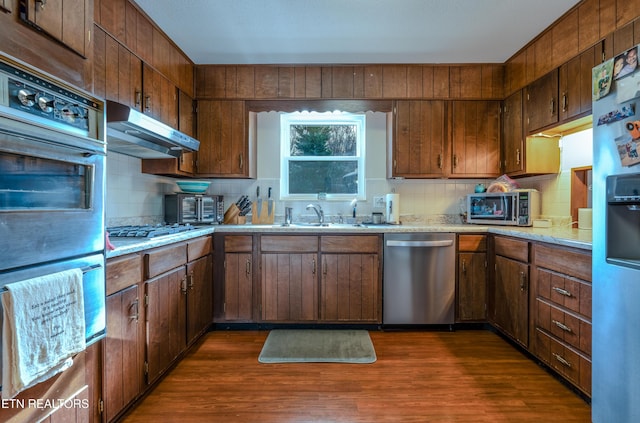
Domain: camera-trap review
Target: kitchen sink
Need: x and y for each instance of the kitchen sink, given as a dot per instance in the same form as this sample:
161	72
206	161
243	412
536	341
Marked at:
322	225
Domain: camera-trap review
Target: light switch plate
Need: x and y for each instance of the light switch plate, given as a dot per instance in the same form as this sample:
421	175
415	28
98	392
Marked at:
378	202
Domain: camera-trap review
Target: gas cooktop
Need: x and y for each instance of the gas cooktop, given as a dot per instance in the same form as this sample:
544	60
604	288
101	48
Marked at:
147	231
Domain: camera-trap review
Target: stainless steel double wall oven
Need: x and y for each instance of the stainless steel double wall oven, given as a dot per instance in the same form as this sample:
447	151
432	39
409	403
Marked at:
52	182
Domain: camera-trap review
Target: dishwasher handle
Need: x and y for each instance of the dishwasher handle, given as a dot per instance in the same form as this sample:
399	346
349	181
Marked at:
412	244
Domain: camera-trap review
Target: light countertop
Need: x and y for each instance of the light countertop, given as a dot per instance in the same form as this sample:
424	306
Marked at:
565	236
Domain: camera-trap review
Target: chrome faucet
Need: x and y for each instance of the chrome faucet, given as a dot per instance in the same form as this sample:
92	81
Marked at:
316	208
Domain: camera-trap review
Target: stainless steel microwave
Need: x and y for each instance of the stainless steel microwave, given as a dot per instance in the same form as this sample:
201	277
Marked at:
515	208
193	208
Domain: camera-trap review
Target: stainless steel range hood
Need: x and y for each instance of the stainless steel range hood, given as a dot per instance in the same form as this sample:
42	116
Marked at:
136	134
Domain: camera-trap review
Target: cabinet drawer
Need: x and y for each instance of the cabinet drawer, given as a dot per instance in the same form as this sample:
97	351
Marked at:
164	259
565	291
123	272
564	326
289	243
472	243
238	244
512	248
572	263
198	247
349	244
573	366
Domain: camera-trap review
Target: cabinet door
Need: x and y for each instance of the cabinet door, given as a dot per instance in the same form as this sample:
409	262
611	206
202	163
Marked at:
238	287
67	21
575	85
166	320
123	370
542	102
223	144
199	297
349	288
513	134
472	286
475	138
511	298
419	142
160	99
289	287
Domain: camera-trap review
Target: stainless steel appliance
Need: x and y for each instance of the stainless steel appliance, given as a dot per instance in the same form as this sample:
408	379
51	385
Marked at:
419	278
52	170
193	208
147	231
135	134
515	208
616	250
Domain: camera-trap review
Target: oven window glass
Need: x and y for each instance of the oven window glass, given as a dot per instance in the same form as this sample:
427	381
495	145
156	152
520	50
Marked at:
35	183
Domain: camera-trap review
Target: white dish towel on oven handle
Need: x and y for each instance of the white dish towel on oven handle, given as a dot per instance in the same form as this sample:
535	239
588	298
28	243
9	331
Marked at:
43	327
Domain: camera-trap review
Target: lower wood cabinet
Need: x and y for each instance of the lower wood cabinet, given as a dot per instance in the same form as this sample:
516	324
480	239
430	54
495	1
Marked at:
561	312
234	299
509	309
350	280
472	278
289	281
123	377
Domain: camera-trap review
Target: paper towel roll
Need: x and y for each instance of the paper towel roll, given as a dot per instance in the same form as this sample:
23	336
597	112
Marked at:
584	218
393	208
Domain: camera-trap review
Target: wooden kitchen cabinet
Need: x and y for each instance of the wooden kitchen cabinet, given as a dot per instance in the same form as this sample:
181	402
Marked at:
420	141
575	85
289	281
224	145
509	306
199	287
541	102
159	97
178	300
123	376
475	129
512	134
237	287
350	284
117	71
472	278
164	287
185	165
561	312
68	22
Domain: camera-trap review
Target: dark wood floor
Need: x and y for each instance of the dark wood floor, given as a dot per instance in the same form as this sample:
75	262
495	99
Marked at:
462	376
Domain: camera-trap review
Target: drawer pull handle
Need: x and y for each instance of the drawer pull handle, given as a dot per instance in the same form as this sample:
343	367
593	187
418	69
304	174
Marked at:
562	291
562	326
562	360
523	281
183	284
464	266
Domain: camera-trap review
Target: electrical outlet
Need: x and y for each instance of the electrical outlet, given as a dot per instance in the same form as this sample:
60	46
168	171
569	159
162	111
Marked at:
378	202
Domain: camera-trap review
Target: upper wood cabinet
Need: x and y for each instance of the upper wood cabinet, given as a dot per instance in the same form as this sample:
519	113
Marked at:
68	22
512	134
575	85
117	72
159	97
475	129
418	148
541	102
224	146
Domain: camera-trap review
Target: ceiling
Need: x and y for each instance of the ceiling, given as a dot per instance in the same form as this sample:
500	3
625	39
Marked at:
352	31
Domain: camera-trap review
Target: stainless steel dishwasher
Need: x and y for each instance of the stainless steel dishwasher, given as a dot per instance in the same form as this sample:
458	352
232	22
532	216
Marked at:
419	278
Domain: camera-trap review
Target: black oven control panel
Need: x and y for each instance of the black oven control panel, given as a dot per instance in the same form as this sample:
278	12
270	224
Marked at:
23	91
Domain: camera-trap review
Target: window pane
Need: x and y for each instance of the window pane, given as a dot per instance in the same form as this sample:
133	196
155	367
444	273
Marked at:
323	140
331	177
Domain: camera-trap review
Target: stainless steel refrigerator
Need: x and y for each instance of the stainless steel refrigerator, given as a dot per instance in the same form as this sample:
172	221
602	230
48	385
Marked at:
616	244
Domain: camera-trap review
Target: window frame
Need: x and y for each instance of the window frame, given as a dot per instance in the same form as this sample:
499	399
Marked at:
319	118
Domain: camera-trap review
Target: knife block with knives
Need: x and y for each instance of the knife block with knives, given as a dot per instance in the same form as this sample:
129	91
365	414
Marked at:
262	212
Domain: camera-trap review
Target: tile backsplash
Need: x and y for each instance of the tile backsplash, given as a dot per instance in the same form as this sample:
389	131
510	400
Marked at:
137	198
